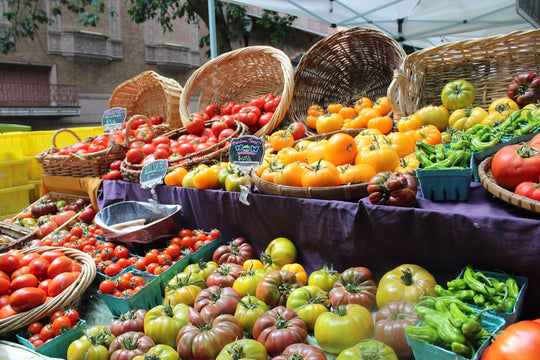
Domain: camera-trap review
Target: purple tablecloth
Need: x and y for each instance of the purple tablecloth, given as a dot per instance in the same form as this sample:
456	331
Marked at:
441	236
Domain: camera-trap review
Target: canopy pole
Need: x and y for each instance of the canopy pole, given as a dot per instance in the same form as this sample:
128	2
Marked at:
400	38
212	30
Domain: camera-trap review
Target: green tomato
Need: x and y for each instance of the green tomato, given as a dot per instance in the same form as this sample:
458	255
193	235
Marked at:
99	331
84	349
457	94
368	349
343	327
245	349
162	323
161	351
233	181
324	278
189	179
249	309
247	284
281	251
308	302
223	174
203	268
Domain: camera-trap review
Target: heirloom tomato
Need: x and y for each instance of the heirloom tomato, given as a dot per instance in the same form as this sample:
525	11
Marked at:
216	300
224	275
243	349
163	322
84	349
281	251
161	352
248	310
514	164
308	302
390	323
278	328
524	89
324	278
203	268
368	348
298	270
236	251
354	286
301	351
343	327
432	115
247	282
276	286
520	340
130	344
407	282
457	94
205	342
463	119
133	320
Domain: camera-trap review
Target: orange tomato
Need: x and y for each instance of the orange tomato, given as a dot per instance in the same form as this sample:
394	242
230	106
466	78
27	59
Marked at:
407	163
370	132
297	270
329	123
302	144
270	172
268	160
290	175
354	174
315	151
340	149
381	157
411	122
290	155
320	174
281	139
311	121
334	108
402	143
363	117
315	110
347	112
429	134
175	177
382	123
206	178
382	105
362	103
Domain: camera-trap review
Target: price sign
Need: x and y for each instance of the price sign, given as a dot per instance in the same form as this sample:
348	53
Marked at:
114	118
153	173
246	151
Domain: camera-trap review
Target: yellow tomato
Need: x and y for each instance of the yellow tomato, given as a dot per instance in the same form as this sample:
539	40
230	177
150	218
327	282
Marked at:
329	123
297	270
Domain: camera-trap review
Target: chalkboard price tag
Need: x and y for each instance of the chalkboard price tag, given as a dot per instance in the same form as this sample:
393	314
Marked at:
114	118
246	150
153	173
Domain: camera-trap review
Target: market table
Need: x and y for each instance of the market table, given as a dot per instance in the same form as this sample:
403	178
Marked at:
441	236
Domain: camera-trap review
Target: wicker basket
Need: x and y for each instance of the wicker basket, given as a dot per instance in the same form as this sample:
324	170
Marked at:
219	151
79	165
20	235
342	68
70	297
239	76
149	94
489	64
487	180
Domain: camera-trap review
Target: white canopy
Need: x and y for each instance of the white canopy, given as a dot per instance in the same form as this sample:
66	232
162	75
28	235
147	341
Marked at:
421	23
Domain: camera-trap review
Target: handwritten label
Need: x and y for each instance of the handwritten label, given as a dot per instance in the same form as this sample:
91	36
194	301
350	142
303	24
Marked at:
246	150
153	173
114	118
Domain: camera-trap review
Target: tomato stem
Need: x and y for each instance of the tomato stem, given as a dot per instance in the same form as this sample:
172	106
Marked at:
406	277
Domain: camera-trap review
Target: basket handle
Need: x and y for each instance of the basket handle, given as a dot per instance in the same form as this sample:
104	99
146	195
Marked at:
395	94
128	127
62	130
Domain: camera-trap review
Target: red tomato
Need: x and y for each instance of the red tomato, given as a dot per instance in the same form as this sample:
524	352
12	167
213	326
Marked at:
50	255
27	280
226	108
72	315
265	119
229	120
528	189
156	120
162	139
225	134
134	156
115	165
298	130
5	286
38	267
249	115
60	325
140	264
161	153
34	328
218	126
258	102
62	281
185	232
271	105
520	340
122	283
107	287
59	265
112	269
23	270
44	285
514	164
25	260
46	332
212	110
148	149
6	311
27	298
195	124
121	251
9	262
173	251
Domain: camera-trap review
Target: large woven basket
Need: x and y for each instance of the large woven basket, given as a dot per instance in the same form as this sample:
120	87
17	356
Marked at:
20	235
239	76
489	64
342	68
79	165
487	180
149	94
70	297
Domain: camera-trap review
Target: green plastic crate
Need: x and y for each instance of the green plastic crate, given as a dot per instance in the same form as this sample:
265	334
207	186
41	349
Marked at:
445	184
176	268
146	298
206	252
425	351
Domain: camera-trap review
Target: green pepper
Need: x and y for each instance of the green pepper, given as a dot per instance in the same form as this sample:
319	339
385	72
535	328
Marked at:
479	145
464	295
442	291
462	349
470	277
479	299
474	129
513	289
440	152
456	284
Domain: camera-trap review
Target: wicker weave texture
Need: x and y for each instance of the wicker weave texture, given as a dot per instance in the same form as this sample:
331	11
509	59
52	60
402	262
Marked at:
344	67
239	76
150	94
21	235
489	64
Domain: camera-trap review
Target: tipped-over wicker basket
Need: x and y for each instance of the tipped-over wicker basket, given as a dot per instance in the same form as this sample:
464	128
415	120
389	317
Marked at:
487	180
489	64
342	68
93	164
149	94
20	235
239	76
70	297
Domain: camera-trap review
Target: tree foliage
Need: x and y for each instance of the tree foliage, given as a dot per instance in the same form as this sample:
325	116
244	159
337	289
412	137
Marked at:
25	17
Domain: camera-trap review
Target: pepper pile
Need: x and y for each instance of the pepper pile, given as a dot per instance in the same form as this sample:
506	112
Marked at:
440	157
449	323
483	291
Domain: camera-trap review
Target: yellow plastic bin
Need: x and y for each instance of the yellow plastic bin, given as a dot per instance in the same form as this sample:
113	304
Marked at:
14	173
14	199
11	146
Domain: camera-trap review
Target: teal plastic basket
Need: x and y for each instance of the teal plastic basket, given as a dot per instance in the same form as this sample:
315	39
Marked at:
425	351
206	252
445	184
57	347
146	298
522	283
176	268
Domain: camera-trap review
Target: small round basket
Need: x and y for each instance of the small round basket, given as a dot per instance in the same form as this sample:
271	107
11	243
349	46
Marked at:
70	297
92	164
487	180
342	68
239	76
149	94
